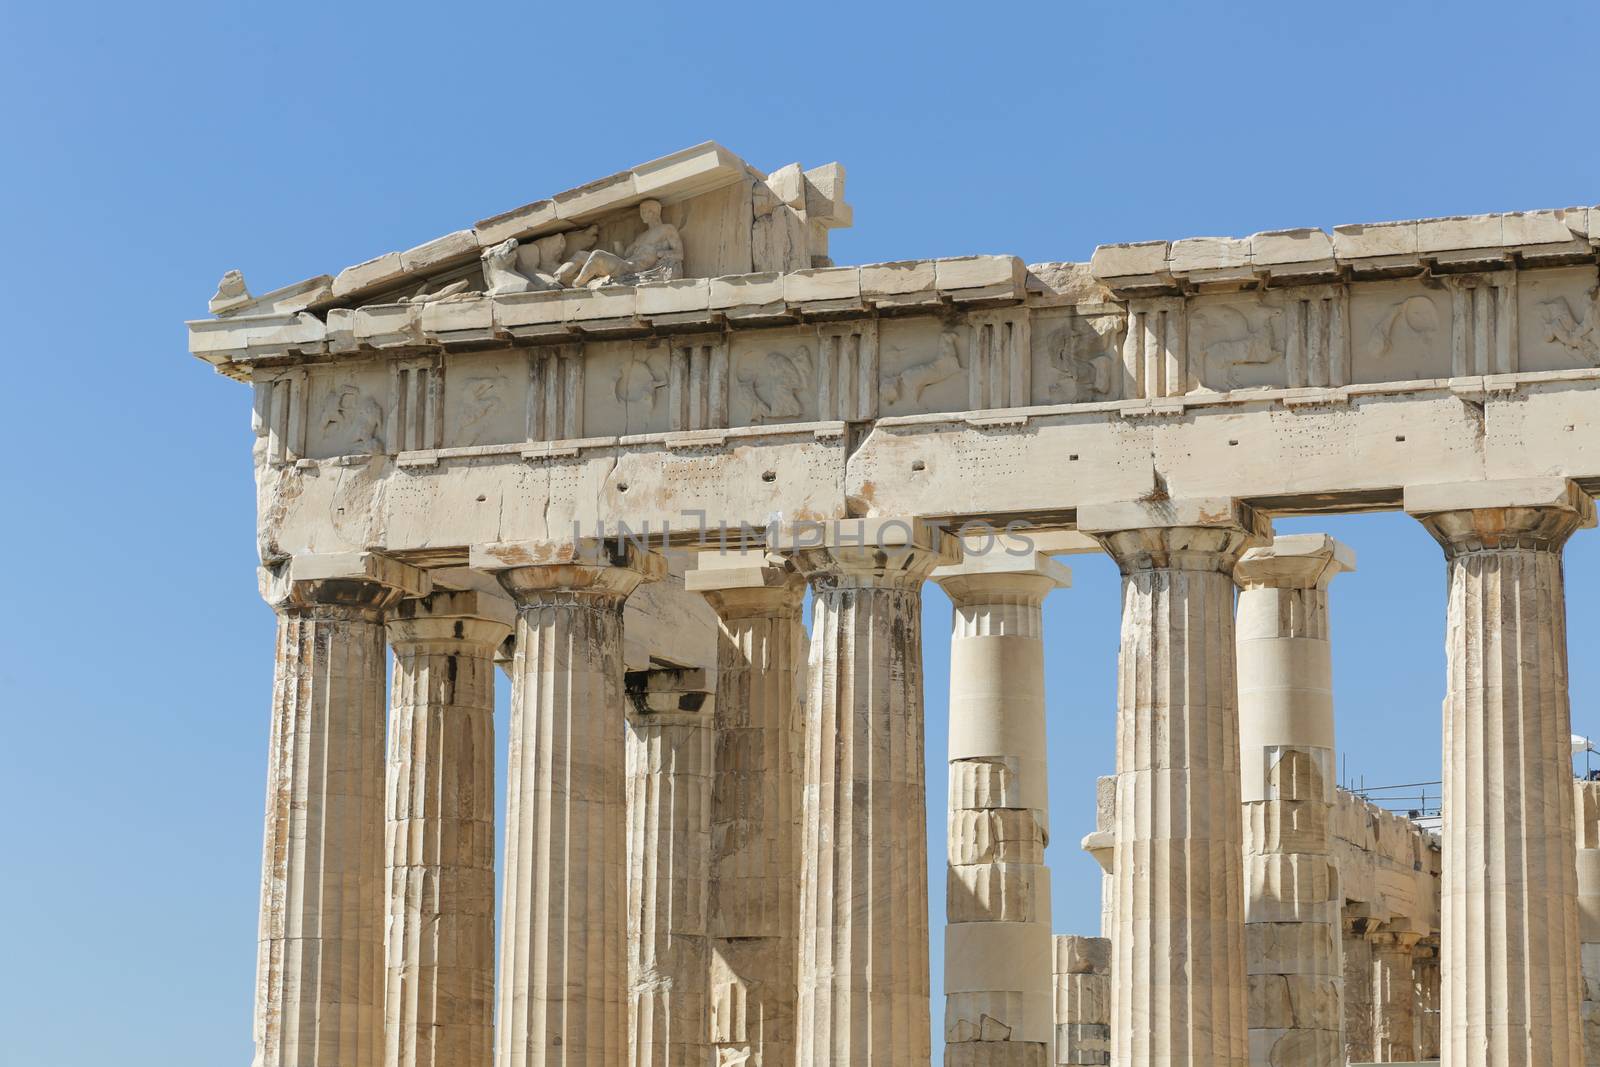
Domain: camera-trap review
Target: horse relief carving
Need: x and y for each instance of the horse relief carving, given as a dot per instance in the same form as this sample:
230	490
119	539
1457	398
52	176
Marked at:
1227	340
1083	353
483	398
775	388
637	383
1577	330
352	422
1408	323
912	382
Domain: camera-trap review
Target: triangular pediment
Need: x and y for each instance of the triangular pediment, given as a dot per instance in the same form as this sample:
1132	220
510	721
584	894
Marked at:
698	213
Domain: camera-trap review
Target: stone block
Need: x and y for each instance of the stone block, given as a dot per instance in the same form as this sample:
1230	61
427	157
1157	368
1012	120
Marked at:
746	290
439	252
518	222
1366	240
672	298
1128	260
1082	955
979	272
1458	231
1208	253
386	269
825	283
897	279
1289	247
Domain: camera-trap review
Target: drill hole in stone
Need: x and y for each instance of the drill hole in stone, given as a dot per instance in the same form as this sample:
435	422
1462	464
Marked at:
1073	458
918	465
1400	437
769	476
622	487
481	498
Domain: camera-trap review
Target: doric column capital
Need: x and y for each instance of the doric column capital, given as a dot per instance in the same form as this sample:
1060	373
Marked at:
1400	942
867	553
747	586
362	584
1294	561
1002	574
451	617
1195	534
1530	513
607	570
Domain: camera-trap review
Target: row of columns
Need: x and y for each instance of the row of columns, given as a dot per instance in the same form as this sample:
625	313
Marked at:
809	935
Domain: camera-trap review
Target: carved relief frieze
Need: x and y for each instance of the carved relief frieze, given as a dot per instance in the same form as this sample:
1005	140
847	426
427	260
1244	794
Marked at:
1399	330
1561	327
773	384
847	371
1081	359
909	387
999	359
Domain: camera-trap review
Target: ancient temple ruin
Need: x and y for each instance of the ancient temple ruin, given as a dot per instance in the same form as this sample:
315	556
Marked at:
610	441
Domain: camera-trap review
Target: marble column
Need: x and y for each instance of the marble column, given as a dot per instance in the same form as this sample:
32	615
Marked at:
1179	992
1359	1040
1587	801
1510	898
319	968
669	767
1394	997
755	805
439	939
1425	976
1288	771
864	987
997	938
563	971
1083	1001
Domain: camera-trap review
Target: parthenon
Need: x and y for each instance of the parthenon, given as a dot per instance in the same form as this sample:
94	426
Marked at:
612	443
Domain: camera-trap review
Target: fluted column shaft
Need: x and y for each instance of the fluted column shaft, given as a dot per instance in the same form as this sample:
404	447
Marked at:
1359	1039
1510	923
1394	997
1286	732
439	939
864	984
755	809
1178	975
998	973
1587	808
1425	975
319	971
669	767
562	986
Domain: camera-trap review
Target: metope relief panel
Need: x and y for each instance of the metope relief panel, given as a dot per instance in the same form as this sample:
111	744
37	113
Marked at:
1483	323
484	399
1399	331
279	415
346	411
1077	356
773	377
697	387
922	366
1559	322
999	360
847	371
630	387
1235	342
1155	349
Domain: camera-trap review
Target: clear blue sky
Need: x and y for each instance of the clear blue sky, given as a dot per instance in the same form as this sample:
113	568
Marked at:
149	148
